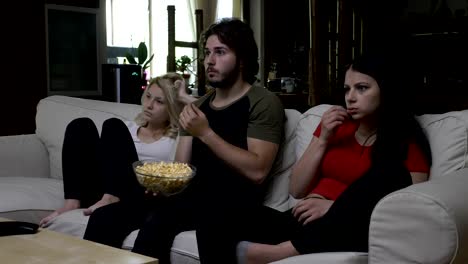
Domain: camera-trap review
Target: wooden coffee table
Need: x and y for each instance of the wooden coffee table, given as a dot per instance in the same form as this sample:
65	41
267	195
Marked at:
49	247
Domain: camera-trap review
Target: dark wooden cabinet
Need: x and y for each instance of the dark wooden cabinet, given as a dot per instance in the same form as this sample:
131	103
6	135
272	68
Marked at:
438	51
286	36
287	42
430	43
296	101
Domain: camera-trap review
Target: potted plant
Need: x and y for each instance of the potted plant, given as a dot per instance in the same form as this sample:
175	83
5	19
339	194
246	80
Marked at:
182	66
143	60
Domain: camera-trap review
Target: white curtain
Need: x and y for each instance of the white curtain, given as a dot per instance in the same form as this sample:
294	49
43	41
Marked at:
185	26
237	6
127	22
184	31
209	10
229	8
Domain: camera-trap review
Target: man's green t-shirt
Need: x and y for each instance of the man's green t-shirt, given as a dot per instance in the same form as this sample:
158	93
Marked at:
265	113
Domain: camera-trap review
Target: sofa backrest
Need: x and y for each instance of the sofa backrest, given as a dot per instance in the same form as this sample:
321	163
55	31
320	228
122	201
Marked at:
447	134
278	182
307	124
55	112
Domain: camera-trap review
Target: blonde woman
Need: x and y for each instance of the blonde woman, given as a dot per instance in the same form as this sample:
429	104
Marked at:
97	169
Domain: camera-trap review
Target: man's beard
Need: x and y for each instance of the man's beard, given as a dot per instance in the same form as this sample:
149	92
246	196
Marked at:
228	81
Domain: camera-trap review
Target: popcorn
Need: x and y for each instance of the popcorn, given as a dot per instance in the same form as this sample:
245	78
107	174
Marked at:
165	169
165	177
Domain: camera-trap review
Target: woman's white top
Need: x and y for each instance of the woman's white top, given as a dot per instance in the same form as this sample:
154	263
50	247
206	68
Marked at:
161	149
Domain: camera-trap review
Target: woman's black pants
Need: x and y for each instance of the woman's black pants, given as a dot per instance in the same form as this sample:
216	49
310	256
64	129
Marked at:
345	227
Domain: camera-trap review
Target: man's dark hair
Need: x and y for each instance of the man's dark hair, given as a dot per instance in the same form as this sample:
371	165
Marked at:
239	37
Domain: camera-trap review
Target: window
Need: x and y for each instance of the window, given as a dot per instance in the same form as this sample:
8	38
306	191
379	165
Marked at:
224	9
127	22
72	48
130	22
185	31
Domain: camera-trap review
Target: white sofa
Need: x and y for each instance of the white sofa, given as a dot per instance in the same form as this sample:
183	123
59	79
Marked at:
424	223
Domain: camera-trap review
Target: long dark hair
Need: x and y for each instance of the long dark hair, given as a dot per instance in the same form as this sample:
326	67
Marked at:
239	37
396	123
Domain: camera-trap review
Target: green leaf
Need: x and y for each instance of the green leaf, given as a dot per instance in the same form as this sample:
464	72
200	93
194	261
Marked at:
148	62
183	63
130	58
142	53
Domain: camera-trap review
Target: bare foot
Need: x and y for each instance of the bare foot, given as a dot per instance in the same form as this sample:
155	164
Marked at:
262	253
105	200
70	204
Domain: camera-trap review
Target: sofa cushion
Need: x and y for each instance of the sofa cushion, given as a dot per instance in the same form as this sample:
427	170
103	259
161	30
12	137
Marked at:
423	223
306	127
447	135
278	186
23	155
55	112
74	223
29	199
71	223
327	258
184	249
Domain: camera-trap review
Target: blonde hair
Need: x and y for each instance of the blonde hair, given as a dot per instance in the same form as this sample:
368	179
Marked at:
170	83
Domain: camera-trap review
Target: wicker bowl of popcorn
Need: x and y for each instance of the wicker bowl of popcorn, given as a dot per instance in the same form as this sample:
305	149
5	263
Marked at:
163	177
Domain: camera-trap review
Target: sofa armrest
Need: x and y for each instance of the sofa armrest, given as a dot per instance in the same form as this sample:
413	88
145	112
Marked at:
23	156
423	223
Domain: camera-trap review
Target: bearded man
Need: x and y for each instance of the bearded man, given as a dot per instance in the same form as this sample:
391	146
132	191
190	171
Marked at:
231	135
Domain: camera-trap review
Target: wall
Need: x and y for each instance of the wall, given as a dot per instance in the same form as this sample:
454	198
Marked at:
438	37
255	19
24	71
23	76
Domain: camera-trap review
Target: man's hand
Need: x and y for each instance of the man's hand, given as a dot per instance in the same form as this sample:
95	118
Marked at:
193	120
254	163
309	209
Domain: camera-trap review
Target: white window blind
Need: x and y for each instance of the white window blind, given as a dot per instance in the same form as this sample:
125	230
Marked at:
224	9
127	22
